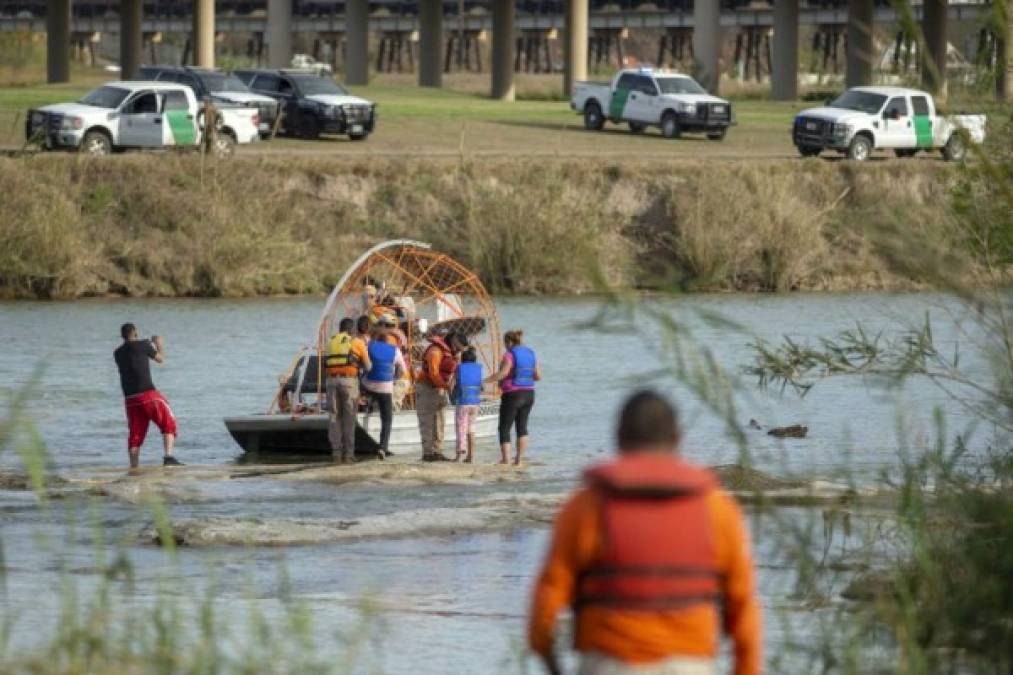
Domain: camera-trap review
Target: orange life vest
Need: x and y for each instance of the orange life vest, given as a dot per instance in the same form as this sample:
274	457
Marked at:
447	363
658	549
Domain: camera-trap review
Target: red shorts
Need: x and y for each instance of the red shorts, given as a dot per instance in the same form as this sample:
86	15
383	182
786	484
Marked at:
146	407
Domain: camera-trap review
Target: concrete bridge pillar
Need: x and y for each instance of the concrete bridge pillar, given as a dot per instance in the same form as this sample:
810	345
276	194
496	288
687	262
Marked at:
430	43
934	56
503	46
860	47
279	33
357	42
785	67
204	33
131	37
58	41
707	43
575	53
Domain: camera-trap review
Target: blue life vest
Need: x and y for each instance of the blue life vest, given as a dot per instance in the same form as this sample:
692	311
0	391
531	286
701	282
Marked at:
523	374
468	390
382	356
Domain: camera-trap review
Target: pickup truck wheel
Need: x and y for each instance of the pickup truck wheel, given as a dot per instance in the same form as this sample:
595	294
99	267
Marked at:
96	144
637	127
905	153
670	125
955	150
809	150
860	149
593	119
224	145
358	137
309	128
717	135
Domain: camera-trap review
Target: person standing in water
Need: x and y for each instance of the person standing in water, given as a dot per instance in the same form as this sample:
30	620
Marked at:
387	365
431	393
518	372
346	359
466	388
654	559
144	404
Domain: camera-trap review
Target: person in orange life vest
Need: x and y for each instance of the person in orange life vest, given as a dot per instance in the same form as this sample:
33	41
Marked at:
654	558
466	395
432	392
346	359
517	374
144	404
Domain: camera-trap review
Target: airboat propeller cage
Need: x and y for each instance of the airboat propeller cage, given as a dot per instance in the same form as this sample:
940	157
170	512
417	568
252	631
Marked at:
426	290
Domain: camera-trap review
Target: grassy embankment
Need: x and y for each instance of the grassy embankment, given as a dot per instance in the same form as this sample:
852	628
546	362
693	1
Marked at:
181	225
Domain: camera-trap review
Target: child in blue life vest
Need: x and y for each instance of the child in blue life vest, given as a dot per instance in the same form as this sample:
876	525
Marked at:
466	389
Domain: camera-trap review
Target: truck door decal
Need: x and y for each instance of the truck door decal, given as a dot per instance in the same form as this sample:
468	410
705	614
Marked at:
922	121
618	103
183	131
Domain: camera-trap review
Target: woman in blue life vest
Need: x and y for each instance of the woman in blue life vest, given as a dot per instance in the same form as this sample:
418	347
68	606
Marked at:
517	374
387	366
466	394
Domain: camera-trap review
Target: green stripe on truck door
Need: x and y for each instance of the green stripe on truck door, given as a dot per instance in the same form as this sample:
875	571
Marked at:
181	126
618	103
923	131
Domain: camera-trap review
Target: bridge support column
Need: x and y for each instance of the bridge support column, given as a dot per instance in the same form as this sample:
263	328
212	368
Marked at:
575	61
707	43
131	37
859	51
784	78
430	43
934	56
503	46
204	33
58	41
357	42
279	33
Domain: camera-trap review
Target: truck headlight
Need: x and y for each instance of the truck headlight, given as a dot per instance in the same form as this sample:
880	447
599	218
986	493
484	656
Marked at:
841	130
72	123
688	108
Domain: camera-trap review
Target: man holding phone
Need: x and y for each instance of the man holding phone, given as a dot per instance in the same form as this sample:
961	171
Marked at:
144	403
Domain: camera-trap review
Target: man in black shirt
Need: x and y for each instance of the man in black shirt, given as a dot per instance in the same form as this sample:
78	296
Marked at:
144	403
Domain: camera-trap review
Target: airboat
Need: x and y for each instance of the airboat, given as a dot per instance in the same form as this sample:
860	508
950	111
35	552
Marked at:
429	294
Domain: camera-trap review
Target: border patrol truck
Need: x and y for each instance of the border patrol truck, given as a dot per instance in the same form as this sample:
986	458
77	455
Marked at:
146	115
643	97
864	119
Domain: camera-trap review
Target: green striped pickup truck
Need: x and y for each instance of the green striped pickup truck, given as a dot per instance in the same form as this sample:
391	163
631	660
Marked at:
644	97
864	119
143	115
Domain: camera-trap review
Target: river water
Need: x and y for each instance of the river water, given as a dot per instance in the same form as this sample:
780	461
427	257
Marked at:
446	556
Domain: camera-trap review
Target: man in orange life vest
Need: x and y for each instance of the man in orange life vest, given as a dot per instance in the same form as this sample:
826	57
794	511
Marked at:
654	559
432	394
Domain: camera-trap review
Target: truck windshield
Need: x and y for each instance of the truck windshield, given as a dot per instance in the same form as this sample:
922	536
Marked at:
219	82
310	85
105	97
679	85
861	101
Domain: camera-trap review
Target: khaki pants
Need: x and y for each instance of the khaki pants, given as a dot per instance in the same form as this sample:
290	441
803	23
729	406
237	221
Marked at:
594	663
430	403
343	396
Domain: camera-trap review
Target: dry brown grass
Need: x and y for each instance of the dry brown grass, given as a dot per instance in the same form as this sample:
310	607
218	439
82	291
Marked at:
183	225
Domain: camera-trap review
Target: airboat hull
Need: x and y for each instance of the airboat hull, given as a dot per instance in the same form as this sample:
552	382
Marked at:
307	434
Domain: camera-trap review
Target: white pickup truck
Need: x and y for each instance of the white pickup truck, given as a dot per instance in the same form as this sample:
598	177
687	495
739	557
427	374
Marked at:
643	97
864	119
121	115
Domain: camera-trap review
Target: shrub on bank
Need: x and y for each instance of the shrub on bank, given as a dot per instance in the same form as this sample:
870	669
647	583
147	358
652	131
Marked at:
187	226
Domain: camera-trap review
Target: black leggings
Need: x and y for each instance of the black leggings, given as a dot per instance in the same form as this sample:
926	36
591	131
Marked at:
514	407
385	402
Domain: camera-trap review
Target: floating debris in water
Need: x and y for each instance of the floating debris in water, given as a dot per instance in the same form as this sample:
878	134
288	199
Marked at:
793	431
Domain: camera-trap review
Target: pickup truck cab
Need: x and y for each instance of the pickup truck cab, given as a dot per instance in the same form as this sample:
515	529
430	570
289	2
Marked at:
864	119
120	115
222	89
643	97
313	104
